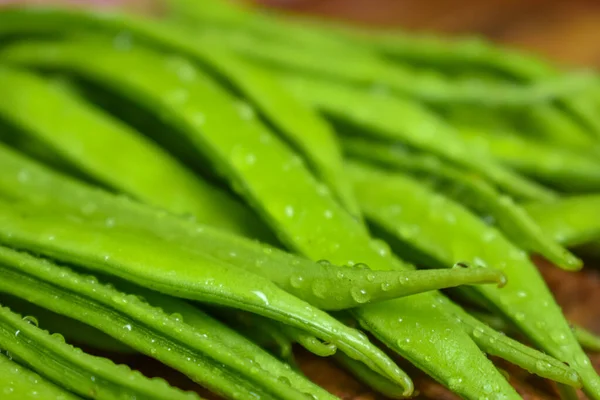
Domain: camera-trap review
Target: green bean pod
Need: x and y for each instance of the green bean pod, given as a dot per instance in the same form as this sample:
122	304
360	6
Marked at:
51	189
587	339
280	207
564	169
128	256
55	116
74	370
73	331
569	220
470	190
296	122
20	383
425	223
382	117
187	339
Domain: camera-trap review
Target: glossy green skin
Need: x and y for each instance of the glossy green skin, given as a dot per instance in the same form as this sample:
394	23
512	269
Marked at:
72	330
571	221
383	117
115	155
310	232
296	122
564	169
382	320
187	340
74	370
321	284
471	190
150	263
19	383
52	190
426	220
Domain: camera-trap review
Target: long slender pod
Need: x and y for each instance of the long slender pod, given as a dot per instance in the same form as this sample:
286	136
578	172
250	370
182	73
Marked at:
424	224
571	221
382	117
564	169
473	191
198	343
308	231
115	155
75	332
74	370
296	122
20	383
150	264
47	185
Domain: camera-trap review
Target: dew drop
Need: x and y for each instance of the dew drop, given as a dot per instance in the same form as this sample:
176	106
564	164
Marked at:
127	327
385	286
371	277
31	320
360	295
289	211
361	266
296	281
319	288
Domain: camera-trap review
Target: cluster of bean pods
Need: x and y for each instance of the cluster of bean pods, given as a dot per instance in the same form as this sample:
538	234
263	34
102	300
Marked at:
213	187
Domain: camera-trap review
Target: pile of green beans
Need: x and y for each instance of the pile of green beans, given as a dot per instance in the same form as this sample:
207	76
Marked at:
214	187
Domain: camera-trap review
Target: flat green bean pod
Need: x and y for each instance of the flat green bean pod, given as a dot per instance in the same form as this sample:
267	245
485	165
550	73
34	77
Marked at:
188	340
427	221
72	330
55	116
296	122
20	383
470	190
306	230
382	117
74	370
150	264
564	169
47	185
569	220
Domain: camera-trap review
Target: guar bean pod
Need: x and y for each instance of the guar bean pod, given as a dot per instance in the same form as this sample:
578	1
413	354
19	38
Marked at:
73	331
470	190
311	234
115	155
202	348
53	190
69	367
564	169
150	264
20	383
383	117
424	223
571	221
289	117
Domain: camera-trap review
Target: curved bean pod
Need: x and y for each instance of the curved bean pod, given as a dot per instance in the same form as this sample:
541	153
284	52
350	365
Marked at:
73	331
296	122
565	169
471	190
190	341
203	278
383	117
569	220
54	116
75	370
424	223
20	383
280	209
47	185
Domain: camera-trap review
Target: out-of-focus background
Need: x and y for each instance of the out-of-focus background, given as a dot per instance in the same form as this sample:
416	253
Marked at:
564	30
